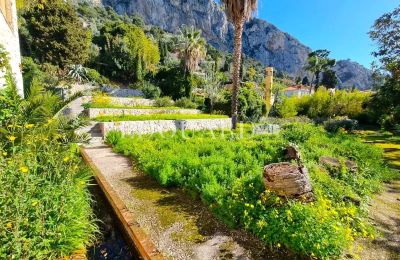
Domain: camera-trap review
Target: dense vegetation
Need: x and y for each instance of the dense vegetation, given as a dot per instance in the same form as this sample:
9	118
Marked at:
225	171
385	105
157	117
45	205
324	104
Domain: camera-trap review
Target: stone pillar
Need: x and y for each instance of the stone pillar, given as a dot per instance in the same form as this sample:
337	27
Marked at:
269	80
9	39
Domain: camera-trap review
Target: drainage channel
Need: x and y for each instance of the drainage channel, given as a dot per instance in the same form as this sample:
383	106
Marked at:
123	238
111	243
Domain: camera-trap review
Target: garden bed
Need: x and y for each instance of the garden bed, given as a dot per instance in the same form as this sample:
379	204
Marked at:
225	170
96	112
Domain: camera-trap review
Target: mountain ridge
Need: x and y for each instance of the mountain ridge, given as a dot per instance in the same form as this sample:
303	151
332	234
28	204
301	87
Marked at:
262	40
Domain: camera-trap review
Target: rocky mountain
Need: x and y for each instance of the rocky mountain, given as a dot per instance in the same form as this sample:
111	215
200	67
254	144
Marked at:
261	40
353	74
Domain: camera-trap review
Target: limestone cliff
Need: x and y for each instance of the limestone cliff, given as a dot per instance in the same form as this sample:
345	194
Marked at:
261	40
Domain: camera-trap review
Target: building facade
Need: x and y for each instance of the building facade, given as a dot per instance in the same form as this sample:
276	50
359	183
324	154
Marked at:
9	39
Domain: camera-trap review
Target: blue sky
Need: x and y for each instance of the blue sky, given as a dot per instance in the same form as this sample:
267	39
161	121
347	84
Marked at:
340	26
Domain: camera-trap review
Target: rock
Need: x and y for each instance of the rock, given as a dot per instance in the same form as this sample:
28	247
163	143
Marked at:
261	40
291	153
334	166
288	180
266	129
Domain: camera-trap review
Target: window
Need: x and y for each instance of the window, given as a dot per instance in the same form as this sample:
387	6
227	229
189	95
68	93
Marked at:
5	8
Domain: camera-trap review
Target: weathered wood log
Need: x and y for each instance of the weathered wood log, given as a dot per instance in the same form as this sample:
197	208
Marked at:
288	180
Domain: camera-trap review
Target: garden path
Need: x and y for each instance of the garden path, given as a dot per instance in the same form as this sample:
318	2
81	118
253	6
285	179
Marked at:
384	210
180	226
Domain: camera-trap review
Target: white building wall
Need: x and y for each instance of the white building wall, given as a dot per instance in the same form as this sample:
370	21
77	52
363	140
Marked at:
9	39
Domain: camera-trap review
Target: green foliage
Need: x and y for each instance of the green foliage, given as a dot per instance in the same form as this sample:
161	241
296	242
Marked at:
113	137
94	76
185	103
149	90
164	102
251	105
286	107
225	170
174	82
44	201
55	34
319	61
329	79
157	117
126	53
191	47
324	104
34	73
334	125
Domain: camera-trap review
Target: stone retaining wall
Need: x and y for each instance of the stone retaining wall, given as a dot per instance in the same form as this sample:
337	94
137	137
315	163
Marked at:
94	112
155	126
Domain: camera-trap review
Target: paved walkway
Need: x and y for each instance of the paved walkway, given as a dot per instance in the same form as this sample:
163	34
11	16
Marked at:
180	226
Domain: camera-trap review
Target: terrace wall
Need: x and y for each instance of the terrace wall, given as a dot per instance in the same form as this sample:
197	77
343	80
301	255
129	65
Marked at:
156	126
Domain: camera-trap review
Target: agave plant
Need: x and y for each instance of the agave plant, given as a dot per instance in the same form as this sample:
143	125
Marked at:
77	72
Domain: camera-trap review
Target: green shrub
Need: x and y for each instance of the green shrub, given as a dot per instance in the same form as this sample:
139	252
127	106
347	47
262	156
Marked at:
149	90
44	200
334	125
113	137
164	102
251	105
226	171
45	178
286	107
324	104
185	103
95	77
157	117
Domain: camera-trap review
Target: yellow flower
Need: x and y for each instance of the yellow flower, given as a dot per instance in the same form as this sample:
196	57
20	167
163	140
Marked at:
9	225
12	138
4	153
34	203
278	245
28	126
66	159
23	169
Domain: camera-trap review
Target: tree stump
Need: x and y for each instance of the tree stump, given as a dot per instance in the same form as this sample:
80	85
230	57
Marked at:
288	180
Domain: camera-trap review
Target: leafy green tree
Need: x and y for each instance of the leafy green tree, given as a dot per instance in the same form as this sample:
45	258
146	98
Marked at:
126	52
329	79
318	62
238	12
56	34
385	103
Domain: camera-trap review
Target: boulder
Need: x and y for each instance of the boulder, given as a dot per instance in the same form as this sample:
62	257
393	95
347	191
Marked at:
288	180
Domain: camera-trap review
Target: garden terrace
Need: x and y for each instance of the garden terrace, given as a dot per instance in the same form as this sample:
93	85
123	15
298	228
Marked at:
158	126
104	112
225	170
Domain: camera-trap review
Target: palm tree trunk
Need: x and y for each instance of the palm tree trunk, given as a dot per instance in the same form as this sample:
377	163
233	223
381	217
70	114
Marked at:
317	81
237	57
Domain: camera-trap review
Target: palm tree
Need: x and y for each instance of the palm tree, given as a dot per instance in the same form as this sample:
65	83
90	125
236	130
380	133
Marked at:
238	12
318	61
191	48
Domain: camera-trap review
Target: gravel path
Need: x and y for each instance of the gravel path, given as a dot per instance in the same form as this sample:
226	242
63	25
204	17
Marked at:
180	226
